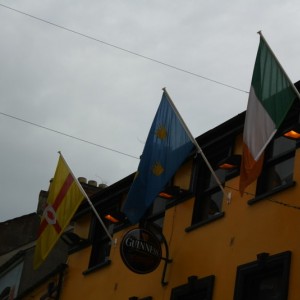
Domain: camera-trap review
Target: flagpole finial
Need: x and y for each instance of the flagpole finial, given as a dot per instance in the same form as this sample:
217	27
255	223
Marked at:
260	34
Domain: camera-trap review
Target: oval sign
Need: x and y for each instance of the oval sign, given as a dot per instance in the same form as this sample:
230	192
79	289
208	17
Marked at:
140	251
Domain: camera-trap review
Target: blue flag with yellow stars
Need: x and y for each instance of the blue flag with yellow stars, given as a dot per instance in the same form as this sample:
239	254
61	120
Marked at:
166	148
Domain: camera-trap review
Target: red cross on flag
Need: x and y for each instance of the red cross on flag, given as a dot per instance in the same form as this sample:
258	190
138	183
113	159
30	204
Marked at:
63	200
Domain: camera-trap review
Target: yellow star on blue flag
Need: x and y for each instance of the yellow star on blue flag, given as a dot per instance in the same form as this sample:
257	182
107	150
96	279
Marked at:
166	148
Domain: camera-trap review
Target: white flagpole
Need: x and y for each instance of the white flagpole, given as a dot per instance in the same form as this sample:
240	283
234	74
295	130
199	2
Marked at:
199	150
282	69
88	199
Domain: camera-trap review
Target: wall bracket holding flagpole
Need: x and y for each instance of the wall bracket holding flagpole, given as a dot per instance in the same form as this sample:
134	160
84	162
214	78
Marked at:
199	150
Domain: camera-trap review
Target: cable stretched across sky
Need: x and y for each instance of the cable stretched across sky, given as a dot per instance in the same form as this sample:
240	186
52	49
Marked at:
124	50
68	135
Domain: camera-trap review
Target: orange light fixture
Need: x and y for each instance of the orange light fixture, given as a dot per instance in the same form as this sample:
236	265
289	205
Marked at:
231	162
111	218
292	134
227	166
165	195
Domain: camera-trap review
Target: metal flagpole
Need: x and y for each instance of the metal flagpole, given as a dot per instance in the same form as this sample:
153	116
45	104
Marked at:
88	199
282	69
199	150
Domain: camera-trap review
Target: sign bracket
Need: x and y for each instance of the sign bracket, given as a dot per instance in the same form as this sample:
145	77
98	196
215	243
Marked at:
167	260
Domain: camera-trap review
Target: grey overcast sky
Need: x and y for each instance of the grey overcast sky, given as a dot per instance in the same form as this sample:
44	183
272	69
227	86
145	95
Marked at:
99	93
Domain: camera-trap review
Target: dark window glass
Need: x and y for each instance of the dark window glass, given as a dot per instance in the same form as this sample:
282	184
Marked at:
100	242
168	197
154	220
209	197
278	165
158	209
264	279
5	294
208	194
195	289
264	286
281	145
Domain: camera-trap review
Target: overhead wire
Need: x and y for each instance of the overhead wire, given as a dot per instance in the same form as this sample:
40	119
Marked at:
68	135
268	199
116	47
124	50
130	52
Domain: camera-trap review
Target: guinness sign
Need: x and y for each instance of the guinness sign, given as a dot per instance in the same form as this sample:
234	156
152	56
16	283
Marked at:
140	251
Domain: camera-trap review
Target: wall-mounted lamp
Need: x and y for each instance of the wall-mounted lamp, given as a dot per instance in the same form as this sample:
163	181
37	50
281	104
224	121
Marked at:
294	133
231	162
170	192
115	216
111	218
165	195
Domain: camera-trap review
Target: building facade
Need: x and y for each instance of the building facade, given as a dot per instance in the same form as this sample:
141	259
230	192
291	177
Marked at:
196	242
17	245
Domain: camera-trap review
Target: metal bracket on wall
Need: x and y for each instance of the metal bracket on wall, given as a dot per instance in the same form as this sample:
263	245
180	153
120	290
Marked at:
167	260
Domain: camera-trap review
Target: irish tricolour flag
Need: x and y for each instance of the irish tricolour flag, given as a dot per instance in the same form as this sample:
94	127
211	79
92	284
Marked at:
271	96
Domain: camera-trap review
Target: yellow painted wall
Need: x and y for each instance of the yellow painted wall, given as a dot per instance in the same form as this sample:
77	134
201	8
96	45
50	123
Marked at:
214	249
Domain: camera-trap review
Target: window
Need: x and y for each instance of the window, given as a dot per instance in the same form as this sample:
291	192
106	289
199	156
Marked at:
278	166
158	211
195	289
155	216
6	294
168	197
264	279
10	279
208	195
101	245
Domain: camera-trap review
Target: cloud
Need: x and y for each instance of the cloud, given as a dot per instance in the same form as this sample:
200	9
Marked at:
99	93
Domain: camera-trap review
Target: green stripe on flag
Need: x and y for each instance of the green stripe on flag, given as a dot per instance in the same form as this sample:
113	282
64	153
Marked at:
271	85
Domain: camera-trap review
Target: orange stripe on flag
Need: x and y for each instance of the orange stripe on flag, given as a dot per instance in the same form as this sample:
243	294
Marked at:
250	168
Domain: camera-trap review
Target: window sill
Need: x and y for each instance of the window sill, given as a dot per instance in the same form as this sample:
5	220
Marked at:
270	193
97	267
207	221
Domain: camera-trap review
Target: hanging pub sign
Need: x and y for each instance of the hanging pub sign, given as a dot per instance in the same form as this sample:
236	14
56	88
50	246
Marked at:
140	251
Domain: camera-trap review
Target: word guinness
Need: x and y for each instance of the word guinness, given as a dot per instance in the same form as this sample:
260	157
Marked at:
143	246
140	250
